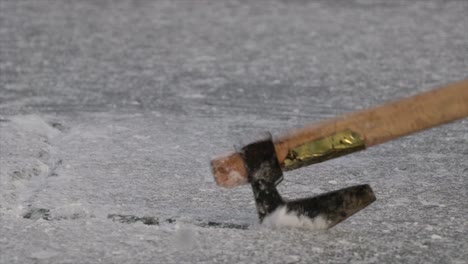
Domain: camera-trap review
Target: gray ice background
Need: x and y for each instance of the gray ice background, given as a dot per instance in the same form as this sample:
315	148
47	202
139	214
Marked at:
116	107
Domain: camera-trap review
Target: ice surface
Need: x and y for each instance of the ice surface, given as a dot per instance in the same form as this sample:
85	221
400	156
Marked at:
111	111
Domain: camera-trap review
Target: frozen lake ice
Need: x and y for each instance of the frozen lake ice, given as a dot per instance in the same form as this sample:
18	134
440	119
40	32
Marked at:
111	111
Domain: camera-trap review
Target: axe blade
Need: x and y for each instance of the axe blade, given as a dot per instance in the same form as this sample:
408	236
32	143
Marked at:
323	211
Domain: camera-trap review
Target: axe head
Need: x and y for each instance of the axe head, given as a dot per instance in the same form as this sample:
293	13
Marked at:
319	212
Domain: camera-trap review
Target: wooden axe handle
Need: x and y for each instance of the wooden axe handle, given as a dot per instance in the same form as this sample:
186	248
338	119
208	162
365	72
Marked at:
377	125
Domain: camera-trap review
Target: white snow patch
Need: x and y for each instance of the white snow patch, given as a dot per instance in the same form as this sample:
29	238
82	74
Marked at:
292	259
317	250
281	217
26	160
193	96
71	211
426	202
434	236
317	190
429	228
35	124
41	169
184	238
44	254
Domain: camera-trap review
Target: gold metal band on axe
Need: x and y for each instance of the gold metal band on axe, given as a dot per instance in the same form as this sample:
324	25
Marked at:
333	146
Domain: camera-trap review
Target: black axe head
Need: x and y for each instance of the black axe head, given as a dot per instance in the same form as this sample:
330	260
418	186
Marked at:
319	212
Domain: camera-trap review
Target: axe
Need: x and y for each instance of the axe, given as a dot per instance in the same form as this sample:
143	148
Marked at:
262	162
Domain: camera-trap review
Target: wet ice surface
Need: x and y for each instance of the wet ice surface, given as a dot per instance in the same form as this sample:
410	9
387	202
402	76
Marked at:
107	126
103	173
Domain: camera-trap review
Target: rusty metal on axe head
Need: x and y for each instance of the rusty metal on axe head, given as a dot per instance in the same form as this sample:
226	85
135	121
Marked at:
265	173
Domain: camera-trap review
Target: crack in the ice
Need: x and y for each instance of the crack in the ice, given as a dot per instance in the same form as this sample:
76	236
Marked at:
131	219
149	220
45	214
223	225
